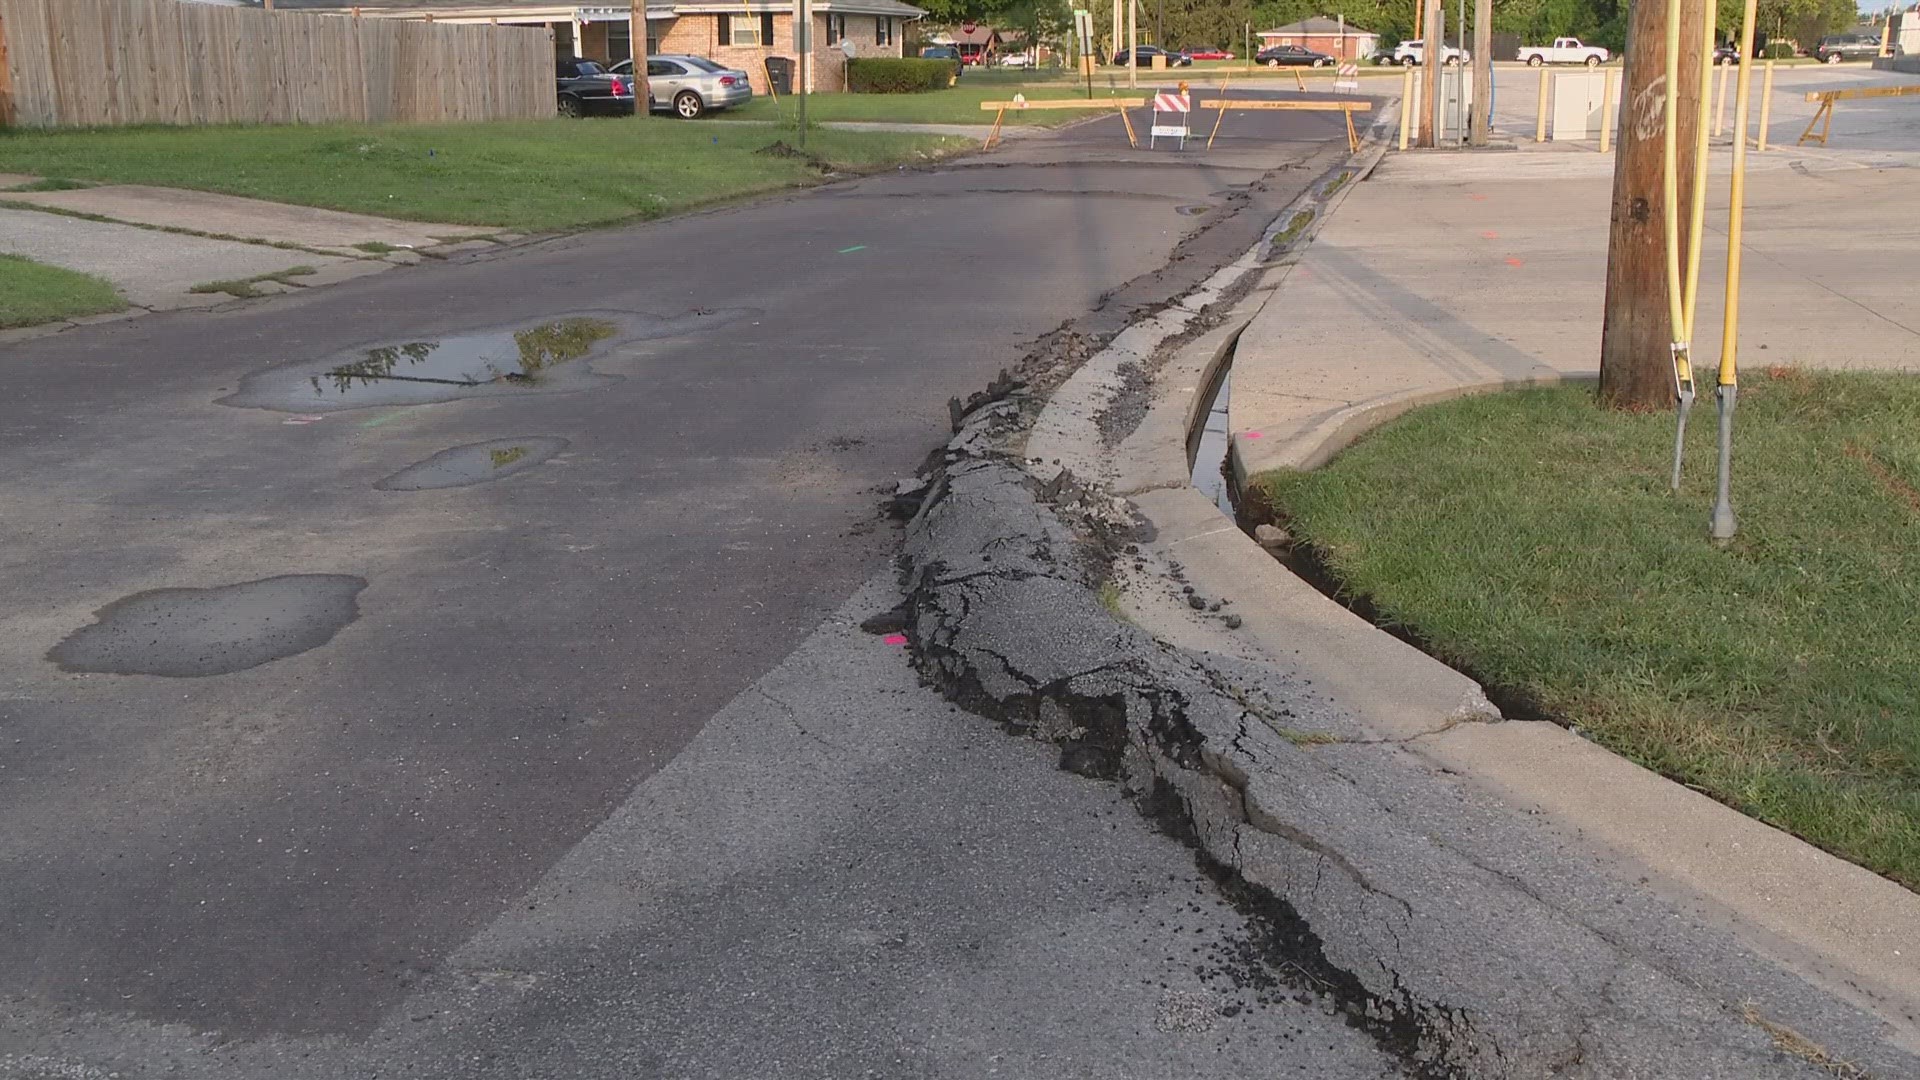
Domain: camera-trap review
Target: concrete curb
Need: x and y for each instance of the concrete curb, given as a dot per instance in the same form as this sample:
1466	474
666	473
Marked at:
1841	927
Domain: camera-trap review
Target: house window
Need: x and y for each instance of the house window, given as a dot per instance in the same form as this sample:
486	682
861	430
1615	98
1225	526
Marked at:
882	30
744	32
836	29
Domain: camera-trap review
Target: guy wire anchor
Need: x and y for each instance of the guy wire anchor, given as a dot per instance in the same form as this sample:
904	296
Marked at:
1683	388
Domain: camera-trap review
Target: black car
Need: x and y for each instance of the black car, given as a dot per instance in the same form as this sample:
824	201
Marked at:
945	52
1143	57
1291	56
587	88
1726	54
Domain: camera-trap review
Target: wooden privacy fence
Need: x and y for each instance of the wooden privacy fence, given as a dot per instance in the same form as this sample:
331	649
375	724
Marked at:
77	63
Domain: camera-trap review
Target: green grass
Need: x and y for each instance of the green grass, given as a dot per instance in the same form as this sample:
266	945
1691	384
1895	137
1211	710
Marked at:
531	176
51	183
243	288
1530	539
32	292
377	247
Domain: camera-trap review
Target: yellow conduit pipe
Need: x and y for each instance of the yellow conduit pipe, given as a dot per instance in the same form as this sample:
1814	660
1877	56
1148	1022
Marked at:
1724	524
1683	288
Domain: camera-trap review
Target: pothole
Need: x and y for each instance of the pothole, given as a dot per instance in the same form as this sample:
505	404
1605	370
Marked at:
474	463
1192	209
544	357
190	633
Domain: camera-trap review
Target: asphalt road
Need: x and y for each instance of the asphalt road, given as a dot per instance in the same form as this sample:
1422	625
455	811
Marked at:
284	749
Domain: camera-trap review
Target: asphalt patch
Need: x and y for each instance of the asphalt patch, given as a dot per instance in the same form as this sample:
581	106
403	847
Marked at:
192	633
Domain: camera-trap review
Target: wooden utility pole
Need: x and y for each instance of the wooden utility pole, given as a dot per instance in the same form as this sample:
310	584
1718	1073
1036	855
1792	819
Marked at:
1482	72
6	77
1636	338
1433	57
637	33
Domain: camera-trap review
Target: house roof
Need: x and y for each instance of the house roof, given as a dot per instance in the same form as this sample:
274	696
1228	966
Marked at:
974	35
602	11
1318	26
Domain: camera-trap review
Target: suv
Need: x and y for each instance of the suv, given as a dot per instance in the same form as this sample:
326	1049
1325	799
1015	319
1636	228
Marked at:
1838	47
945	52
1409	53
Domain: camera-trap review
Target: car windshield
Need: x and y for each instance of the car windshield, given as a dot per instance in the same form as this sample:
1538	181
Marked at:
703	64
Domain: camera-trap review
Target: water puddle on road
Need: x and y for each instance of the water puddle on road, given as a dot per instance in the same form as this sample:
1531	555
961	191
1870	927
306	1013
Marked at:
550	356
475	463
192	633
1210	444
1195	210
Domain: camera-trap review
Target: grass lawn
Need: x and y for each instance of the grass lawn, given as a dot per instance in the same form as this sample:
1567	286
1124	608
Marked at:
1529	538
530	176
32	292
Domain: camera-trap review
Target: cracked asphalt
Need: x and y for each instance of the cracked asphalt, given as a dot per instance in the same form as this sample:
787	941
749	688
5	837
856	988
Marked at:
596	778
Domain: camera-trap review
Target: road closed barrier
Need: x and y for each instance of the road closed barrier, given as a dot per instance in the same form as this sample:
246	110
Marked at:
1170	111
1345	108
1020	102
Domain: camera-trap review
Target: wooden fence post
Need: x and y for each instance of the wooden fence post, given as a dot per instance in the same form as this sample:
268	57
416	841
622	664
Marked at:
6	78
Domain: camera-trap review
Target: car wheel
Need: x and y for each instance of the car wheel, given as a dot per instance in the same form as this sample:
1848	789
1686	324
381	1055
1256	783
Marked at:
688	105
1593	61
1406	61
1535	60
570	107
1319	63
1451	61
1273	63
1833	58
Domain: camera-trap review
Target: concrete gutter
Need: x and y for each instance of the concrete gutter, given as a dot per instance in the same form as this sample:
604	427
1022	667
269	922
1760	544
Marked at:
1845	929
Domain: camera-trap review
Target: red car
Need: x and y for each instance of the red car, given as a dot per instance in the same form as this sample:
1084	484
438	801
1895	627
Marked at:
1210	54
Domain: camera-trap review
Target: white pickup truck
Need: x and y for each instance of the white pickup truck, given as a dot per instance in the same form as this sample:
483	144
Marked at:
1564	50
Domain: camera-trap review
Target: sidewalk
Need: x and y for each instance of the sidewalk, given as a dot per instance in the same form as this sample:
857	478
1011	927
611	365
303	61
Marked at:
1447	272
156	244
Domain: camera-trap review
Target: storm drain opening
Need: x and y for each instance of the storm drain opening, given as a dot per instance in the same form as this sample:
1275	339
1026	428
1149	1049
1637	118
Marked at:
1210	442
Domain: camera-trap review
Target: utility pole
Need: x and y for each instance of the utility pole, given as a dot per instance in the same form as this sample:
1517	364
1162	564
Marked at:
1160	25
637	33
1133	42
1432	58
1636	339
803	46
1477	132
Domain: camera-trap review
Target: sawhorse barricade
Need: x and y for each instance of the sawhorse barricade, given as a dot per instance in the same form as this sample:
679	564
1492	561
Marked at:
1174	105
999	109
1345	108
1823	116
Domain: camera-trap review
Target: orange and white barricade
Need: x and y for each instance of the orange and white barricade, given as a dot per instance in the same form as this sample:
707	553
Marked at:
1170	111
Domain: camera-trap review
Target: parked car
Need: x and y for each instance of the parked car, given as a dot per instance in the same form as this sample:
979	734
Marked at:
1143	57
1564	50
1291	56
1838	47
689	86
945	52
1209	54
585	88
1409	53
1016	60
1726	54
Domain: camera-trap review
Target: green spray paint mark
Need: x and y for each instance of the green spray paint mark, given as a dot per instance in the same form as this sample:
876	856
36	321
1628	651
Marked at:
383	418
854	248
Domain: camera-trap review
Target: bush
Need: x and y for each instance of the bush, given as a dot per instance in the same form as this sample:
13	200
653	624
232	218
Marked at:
1779	50
897	75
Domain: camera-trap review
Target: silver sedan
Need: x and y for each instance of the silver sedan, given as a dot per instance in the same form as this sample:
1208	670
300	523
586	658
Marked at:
688	86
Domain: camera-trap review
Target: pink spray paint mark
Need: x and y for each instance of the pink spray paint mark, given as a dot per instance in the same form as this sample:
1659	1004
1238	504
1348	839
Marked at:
1478	198
895	639
1489	235
1516	262
1251	435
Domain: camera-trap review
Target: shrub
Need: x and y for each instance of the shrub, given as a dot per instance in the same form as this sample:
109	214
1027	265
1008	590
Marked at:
1779	50
897	75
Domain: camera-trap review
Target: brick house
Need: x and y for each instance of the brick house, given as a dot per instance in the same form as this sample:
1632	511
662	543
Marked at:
741	34
1343	41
